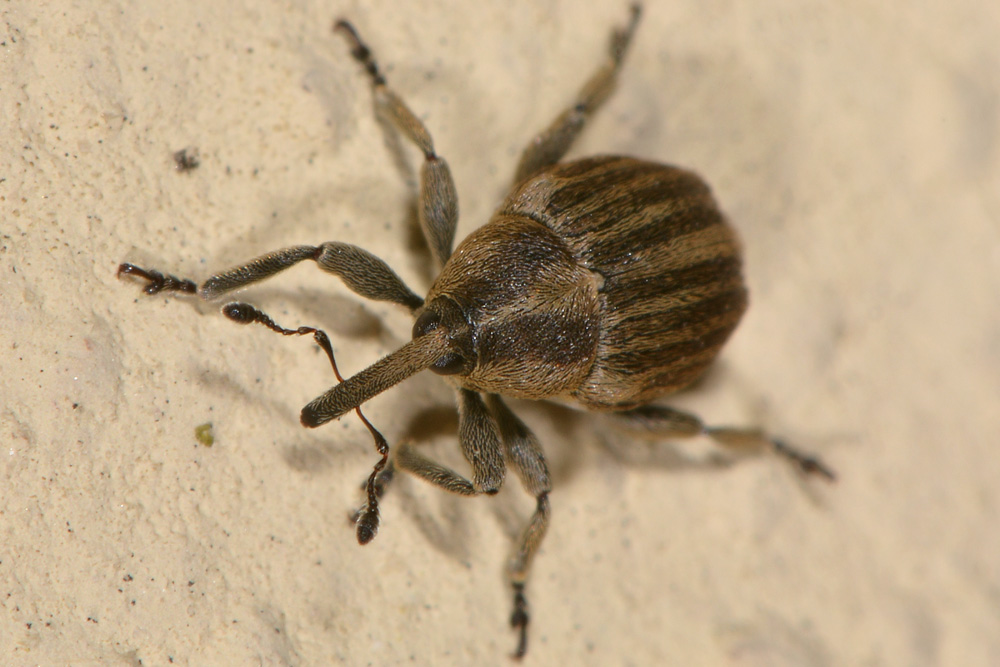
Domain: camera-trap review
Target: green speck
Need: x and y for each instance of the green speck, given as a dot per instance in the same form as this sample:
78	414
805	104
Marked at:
204	435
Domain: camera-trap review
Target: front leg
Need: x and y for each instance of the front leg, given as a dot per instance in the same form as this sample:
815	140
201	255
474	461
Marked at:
479	437
362	272
157	282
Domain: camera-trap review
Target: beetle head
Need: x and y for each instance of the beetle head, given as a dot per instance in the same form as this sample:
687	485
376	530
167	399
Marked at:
519	311
512	312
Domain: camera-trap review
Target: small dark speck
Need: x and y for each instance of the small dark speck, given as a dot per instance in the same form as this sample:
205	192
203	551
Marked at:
186	159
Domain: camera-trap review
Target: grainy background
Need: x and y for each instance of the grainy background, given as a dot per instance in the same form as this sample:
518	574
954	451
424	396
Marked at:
855	145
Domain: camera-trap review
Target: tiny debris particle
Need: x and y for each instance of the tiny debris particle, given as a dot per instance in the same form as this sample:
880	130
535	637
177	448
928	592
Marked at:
203	434
187	159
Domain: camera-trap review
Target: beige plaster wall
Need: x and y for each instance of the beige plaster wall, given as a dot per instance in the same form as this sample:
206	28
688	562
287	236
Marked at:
856	146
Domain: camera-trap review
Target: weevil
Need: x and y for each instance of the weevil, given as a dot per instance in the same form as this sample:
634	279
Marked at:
604	282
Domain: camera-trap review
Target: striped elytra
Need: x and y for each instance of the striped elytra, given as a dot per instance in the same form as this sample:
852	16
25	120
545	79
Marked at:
609	281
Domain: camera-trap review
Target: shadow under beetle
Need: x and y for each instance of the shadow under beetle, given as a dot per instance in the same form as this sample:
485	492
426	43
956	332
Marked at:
605	282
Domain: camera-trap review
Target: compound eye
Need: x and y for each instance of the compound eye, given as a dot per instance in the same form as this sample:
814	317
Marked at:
428	321
453	362
450	364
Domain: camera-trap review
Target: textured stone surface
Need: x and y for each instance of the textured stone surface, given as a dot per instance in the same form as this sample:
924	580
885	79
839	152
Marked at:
857	149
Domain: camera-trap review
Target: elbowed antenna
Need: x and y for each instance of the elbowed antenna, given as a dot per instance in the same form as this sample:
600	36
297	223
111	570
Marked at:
388	371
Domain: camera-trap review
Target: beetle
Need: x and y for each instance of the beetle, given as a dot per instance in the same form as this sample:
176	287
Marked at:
605	282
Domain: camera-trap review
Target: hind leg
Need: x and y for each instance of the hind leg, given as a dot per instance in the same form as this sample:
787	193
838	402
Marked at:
665	422
550	145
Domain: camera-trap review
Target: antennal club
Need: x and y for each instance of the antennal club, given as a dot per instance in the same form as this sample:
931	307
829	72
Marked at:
368	517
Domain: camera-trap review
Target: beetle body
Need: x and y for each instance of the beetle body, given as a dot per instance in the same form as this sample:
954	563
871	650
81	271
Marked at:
606	281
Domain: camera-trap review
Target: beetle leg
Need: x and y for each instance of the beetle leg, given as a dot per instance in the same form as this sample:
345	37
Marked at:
438	208
362	272
491	435
407	458
523	453
739	439
479	437
668	422
157	282
551	144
